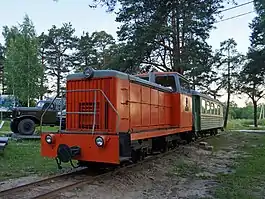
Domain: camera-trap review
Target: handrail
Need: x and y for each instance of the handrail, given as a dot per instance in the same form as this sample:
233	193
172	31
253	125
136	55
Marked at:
41	118
104	95
94	112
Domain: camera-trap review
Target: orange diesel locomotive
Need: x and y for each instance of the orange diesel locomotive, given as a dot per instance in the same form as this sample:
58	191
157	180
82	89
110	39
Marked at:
113	117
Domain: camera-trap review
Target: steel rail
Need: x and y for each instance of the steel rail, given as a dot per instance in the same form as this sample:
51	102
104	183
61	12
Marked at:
5	192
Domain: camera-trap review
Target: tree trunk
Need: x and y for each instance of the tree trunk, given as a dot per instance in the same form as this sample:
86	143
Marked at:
58	82
42	78
214	95
228	91
28	84
42	87
227	108
176	39
255	104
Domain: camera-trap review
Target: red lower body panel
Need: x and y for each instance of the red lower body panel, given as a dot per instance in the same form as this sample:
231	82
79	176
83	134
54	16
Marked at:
158	133
89	150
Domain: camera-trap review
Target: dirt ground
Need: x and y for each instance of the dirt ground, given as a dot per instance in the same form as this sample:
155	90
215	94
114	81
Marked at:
187	173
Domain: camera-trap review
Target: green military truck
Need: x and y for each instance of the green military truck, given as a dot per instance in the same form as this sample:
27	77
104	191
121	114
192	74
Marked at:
24	120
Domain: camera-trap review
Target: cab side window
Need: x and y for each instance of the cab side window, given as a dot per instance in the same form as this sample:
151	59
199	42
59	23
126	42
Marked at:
184	85
166	81
45	106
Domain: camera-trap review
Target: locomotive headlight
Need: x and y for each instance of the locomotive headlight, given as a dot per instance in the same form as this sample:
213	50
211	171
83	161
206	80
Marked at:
88	72
99	141
48	139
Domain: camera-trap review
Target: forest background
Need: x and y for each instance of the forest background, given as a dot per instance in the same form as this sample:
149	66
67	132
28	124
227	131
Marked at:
154	35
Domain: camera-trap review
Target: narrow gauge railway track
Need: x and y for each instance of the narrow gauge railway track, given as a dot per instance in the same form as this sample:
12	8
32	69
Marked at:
53	186
33	189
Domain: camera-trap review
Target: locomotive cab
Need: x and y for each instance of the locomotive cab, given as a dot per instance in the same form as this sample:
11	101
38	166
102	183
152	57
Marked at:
172	80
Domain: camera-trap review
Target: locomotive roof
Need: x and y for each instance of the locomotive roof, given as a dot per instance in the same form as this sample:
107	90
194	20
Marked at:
135	78
120	75
205	96
163	73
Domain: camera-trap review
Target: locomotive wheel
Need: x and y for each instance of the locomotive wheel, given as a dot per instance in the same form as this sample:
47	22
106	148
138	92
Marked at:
136	155
174	144
26	127
196	136
215	132
187	137
14	127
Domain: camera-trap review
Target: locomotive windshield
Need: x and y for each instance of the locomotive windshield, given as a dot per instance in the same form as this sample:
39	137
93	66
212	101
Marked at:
166	81
144	77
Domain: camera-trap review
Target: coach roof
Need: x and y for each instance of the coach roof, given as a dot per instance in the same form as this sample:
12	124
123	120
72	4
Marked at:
205	96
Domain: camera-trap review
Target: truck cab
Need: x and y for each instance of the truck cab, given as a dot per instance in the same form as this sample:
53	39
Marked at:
26	119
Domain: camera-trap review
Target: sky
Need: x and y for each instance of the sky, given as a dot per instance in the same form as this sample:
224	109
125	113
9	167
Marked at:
45	13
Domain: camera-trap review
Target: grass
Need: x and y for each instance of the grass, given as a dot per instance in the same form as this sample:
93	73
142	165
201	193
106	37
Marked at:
248	180
6	128
245	124
183	168
24	159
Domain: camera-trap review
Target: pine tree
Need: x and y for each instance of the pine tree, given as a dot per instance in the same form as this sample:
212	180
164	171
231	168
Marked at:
252	77
170	35
57	44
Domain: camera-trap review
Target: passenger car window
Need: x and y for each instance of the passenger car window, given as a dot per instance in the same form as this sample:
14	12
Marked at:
203	106
166	81
218	110
215	109
212	108
208	107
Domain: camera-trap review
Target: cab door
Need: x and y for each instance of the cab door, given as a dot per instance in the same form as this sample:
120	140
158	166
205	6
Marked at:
186	103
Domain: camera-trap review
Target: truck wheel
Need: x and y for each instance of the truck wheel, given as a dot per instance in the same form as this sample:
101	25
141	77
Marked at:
14	127
26	127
